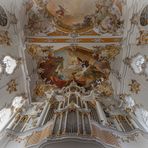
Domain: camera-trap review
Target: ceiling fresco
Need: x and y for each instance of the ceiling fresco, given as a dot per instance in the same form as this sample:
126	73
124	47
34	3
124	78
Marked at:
72	16
88	68
60	22
63	51
80	65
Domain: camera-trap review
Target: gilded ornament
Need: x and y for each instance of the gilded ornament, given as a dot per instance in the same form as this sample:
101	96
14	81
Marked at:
109	51
4	38
105	89
134	86
37	50
12	86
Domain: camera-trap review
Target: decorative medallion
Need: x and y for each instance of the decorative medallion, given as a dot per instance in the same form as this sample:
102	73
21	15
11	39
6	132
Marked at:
3	17
12	86
134	86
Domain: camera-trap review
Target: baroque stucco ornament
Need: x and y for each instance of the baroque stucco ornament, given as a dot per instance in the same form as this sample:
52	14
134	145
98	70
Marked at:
3	17
37	50
109	51
4	38
12	86
134	86
138	63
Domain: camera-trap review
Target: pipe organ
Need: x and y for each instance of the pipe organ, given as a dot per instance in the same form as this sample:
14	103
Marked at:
77	110
72	111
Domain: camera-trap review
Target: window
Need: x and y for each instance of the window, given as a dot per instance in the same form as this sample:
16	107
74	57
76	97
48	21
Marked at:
10	64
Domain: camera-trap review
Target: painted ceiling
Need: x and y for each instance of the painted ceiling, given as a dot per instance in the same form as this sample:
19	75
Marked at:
72	16
99	44
78	15
69	23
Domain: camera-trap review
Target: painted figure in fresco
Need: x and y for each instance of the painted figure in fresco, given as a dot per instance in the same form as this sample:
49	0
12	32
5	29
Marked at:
61	11
108	16
91	72
87	20
84	63
76	68
49	67
102	65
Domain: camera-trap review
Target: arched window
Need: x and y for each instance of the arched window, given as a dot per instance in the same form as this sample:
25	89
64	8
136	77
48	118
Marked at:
5	115
144	17
3	17
10	64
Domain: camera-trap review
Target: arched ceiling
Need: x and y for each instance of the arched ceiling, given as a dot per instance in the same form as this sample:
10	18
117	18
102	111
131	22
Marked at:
90	43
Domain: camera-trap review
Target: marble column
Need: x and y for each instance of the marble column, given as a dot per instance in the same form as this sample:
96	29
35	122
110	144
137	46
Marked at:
13	121
40	121
61	116
101	114
117	124
134	123
140	126
10	120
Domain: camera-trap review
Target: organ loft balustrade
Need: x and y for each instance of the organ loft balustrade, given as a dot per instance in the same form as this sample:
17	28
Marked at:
74	112
71	112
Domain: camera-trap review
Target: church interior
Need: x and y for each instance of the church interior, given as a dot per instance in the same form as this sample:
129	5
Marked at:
73	73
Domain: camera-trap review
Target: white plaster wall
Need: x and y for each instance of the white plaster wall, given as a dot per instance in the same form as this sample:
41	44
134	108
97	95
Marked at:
16	34
130	48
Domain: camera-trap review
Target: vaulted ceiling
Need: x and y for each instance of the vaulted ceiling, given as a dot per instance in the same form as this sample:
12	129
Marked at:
58	41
